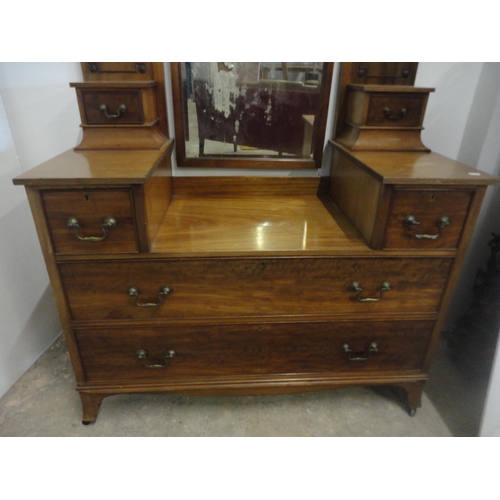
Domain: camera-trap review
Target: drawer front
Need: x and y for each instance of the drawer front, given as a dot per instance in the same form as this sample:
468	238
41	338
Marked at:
214	288
396	110
176	352
427	218
81	221
121	107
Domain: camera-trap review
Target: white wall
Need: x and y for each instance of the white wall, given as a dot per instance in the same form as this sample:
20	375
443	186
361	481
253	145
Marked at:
462	122
38	119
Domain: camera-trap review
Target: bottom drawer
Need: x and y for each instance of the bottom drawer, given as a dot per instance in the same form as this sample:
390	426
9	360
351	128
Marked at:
180	352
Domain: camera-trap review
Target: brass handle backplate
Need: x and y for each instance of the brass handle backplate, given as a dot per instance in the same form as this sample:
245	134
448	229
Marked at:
134	292
107	223
143	355
387	114
410	221
372	349
355	287
121	109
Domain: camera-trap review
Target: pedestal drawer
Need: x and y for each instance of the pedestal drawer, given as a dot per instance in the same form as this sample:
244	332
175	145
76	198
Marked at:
211	288
170	353
91	221
427	218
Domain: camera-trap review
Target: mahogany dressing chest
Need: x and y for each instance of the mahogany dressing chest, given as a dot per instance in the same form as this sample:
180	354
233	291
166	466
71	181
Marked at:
251	285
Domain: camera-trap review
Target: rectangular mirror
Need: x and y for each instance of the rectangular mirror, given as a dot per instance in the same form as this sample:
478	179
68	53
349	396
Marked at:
250	114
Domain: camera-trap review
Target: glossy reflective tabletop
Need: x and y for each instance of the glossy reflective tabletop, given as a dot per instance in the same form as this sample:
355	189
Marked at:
255	225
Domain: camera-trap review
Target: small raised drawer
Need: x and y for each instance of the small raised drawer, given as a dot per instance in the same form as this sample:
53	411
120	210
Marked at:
429	218
172	353
91	221
386	106
112	107
117	103
235	288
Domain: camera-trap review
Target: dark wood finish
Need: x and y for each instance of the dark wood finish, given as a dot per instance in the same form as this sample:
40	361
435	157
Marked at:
117	71
227	350
125	137
90	405
139	100
96	168
260	270
427	206
383	73
142	125
254	187
178	84
158	194
374	73
377	191
366	105
384	118
91	207
161	97
97	291
37	209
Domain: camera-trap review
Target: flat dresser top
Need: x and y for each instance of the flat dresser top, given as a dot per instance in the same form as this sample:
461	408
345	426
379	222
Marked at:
408	167
117	167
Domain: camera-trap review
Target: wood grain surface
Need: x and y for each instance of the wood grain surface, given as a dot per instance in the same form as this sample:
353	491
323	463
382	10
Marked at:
211	288
223	350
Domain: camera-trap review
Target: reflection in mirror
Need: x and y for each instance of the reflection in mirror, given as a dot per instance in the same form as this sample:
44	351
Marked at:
248	110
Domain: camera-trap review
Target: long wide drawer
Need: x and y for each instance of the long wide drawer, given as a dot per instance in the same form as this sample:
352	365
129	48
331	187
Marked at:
213	288
173	352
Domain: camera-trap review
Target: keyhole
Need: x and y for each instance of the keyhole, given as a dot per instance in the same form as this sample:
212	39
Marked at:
259	328
433	197
262	265
86	197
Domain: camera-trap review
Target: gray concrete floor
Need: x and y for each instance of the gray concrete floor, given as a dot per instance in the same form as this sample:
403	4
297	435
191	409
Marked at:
44	403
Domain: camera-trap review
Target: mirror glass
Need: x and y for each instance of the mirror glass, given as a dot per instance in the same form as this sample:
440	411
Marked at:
249	110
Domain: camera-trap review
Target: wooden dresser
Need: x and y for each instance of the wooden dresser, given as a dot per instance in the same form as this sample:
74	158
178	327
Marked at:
257	285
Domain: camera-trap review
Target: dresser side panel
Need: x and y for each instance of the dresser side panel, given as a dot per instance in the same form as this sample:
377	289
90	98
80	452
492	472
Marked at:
355	192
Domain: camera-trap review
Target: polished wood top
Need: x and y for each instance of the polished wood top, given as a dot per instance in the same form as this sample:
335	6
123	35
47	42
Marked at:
197	226
288	224
116	167
401	167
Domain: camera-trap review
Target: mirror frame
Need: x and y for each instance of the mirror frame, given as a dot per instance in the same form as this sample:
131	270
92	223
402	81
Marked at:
180	126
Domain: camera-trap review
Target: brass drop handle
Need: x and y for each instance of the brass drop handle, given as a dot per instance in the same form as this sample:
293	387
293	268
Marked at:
121	109
143	355
134	292
410	221
372	349
108	223
355	287
387	114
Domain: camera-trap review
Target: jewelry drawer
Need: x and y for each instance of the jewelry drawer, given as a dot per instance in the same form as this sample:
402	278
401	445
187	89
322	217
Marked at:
382	106
91	221
112	107
181	352
116	103
215	288
429	218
